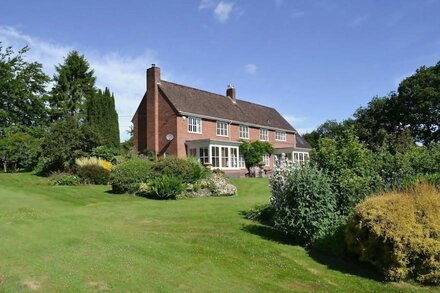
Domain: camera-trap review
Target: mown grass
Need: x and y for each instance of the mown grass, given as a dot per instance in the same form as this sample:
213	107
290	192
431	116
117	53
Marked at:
83	238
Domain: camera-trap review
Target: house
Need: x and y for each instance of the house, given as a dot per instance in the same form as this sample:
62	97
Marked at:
174	119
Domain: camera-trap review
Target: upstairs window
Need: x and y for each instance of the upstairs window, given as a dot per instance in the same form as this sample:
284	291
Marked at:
194	125
222	128
244	131
280	135
264	135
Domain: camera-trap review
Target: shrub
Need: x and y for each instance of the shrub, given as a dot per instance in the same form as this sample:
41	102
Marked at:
67	179
166	187
105	153
399	233
188	170
351	167
127	176
303	201
93	170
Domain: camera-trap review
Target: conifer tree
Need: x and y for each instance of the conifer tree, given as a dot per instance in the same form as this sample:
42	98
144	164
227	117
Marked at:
74	85
103	118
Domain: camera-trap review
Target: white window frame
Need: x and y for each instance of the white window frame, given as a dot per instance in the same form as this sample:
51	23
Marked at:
266	160
241	162
221	130
300	157
264	134
244	131
194	125
280	135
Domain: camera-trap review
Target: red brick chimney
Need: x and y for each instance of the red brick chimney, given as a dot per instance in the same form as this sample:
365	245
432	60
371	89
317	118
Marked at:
153	78
230	92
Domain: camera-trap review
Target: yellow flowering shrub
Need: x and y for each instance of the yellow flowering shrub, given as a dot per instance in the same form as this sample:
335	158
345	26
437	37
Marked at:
399	233
93	170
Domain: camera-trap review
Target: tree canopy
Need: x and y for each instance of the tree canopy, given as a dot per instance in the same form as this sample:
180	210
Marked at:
74	85
22	90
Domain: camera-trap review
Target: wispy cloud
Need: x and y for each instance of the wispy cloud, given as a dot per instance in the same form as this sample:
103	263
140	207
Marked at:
251	68
301	124
223	10
206	4
297	13
124	75
294	119
359	20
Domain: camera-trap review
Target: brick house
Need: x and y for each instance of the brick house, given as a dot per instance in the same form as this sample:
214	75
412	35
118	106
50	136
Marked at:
173	119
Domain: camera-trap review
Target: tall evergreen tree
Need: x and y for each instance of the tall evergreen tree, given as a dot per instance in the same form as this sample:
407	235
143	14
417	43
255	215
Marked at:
103	118
74	85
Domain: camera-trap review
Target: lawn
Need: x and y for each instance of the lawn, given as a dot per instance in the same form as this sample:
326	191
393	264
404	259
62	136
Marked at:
83	238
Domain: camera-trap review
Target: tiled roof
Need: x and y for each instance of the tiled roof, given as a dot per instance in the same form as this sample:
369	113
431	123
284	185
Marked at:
190	100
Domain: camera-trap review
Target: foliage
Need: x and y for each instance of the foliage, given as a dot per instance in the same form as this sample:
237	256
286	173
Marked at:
329	129
65	179
398	233
127	176
417	104
261	213
22	90
189	170
74	85
102	116
65	142
253	152
165	187
351	167
127	146
93	170
19	150
105	153
303	201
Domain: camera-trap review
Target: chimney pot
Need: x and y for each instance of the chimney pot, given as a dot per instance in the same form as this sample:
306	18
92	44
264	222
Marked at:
230	92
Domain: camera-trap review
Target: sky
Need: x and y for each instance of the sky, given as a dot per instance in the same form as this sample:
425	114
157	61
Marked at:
312	60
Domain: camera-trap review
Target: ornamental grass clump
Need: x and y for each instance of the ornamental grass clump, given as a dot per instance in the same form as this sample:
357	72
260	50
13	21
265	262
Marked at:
93	170
303	202
399	233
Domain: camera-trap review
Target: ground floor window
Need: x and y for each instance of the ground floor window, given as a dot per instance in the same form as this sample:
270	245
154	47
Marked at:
266	159
204	156
300	157
241	162
218	155
215	157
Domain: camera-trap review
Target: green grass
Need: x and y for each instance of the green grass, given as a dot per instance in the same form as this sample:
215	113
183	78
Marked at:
83	238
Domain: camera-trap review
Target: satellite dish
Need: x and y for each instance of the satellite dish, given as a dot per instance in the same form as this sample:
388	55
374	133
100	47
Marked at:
169	137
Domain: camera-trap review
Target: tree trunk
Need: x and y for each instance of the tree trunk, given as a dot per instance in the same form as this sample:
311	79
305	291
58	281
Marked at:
5	166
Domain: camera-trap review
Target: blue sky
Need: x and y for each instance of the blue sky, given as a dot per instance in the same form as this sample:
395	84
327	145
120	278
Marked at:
312	60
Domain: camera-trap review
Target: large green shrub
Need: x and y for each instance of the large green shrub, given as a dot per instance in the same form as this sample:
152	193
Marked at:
106	153
127	176
399	233
351	167
303	201
165	187
188	170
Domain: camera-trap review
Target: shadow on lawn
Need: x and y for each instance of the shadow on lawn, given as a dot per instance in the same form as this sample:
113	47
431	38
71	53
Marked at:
346	264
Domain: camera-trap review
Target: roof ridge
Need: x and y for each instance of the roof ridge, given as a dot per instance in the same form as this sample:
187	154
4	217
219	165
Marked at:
205	91
185	86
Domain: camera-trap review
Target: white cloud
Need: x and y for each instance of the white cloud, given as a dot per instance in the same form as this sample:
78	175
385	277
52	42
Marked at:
206	4
297	13
123	75
359	20
223	10
251	68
